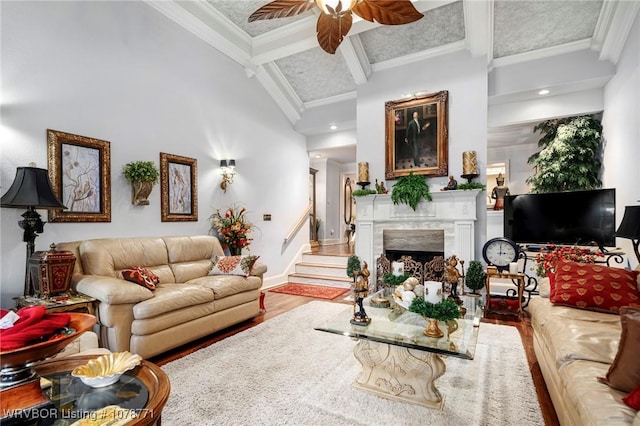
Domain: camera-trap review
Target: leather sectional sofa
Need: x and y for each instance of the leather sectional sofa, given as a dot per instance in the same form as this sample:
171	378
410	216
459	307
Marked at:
575	347
186	304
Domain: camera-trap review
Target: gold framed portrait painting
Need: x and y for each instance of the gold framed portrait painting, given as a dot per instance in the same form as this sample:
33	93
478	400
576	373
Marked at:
416	133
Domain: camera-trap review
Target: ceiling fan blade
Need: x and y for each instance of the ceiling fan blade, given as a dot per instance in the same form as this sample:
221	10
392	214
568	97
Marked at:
387	12
282	9
332	29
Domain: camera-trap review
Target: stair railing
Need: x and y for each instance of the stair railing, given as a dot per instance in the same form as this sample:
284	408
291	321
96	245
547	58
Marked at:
298	225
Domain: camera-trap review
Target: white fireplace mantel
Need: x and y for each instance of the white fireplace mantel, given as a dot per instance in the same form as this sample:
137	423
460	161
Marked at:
451	211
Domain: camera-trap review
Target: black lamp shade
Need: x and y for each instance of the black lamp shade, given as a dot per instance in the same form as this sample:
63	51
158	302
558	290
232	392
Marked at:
630	226
223	163
232	163
31	188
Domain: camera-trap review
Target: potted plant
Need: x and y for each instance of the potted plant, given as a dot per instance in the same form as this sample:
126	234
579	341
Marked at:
142	175
570	155
475	277
353	265
445	311
410	190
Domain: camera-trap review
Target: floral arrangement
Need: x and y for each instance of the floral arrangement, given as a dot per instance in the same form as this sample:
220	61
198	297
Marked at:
548	258
232	228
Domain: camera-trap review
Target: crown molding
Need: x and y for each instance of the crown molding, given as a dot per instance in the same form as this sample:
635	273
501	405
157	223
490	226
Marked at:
356	58
271	78
456	46
200	21
533	55
613	27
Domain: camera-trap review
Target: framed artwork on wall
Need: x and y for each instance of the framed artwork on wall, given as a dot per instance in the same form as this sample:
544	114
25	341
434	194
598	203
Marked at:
417	136
179	185
80	173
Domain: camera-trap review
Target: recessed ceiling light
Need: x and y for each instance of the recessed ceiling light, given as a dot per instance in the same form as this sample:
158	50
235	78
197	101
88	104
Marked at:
333	127
543	92
318	155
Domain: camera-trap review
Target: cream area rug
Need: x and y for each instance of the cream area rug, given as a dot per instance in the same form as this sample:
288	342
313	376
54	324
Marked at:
282	371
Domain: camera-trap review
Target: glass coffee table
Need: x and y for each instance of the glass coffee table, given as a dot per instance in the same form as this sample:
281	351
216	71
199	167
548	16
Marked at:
398	361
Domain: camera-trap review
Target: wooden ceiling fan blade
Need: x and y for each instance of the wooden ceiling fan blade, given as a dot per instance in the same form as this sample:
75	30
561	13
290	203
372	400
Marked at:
387	12
332	29
282	9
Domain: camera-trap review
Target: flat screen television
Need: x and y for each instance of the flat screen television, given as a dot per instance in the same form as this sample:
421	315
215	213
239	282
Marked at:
562	218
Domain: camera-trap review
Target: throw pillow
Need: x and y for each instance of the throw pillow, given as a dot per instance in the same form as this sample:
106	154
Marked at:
141	276
633	399
624	373
232	265
594	287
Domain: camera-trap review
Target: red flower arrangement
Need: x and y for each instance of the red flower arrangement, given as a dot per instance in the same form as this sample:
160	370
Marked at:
547	258
232	229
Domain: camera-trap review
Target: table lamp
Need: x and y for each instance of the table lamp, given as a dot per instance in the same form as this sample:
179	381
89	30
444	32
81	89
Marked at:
630	227
31	189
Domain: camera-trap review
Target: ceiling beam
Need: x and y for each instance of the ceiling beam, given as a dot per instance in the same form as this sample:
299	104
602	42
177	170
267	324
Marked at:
478	27
613	27
280	90
356	58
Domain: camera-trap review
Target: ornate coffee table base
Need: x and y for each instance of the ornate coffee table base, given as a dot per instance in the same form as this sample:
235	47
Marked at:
399	373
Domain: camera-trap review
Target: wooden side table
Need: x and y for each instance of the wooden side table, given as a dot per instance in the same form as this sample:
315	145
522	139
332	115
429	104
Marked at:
64	302
505	305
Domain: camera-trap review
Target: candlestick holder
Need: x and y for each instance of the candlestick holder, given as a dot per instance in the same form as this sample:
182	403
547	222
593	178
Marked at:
363	184
469	177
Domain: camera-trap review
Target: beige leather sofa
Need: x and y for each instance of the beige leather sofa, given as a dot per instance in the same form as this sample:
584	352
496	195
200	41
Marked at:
574	347
186	305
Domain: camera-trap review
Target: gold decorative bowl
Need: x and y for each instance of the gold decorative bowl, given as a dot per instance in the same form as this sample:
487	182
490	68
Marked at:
106	369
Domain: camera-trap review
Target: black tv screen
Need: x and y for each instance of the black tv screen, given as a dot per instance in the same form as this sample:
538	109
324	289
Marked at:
563	218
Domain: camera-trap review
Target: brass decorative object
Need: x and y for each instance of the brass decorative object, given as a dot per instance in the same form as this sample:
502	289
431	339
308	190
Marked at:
106	369
432	329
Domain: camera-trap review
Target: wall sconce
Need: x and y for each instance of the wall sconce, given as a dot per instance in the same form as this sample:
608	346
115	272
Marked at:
228	171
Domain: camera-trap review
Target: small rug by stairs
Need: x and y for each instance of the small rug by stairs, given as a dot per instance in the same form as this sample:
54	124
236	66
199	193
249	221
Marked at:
317	291
283	372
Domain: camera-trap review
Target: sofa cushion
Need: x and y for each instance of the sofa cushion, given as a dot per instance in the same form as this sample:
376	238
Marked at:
227	285
171	297
141	276
593	286
624	373
232	265
107	256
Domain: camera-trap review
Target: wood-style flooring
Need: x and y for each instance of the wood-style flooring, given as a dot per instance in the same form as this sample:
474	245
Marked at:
276	304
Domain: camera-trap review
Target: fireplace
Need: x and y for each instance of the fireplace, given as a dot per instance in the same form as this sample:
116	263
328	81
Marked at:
421	244
445	225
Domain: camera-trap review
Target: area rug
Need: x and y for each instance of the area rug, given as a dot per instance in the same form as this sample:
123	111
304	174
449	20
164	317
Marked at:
317	291
282	371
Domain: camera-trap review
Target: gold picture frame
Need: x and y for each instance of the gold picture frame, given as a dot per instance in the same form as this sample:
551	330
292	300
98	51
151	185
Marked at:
417	144
80	174
179	187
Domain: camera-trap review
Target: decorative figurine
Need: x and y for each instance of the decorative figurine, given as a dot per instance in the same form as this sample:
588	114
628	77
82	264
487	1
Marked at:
499	192
452	276
361	290
453	184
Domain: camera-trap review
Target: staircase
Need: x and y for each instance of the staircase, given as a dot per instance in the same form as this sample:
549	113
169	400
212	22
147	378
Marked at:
322	269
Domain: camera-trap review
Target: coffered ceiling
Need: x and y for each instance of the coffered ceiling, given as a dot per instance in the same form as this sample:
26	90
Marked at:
283	54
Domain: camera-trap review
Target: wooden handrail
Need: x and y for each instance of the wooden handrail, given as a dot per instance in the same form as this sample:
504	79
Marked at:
298	225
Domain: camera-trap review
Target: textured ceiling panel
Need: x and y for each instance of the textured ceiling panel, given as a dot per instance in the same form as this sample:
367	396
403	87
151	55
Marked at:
238	11
314	74
522	26
438	27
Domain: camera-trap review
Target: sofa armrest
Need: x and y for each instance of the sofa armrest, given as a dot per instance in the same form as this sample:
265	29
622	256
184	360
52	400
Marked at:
110	290
258	269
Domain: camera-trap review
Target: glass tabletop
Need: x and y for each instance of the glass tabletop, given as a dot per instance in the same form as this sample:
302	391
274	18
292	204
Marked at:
396	326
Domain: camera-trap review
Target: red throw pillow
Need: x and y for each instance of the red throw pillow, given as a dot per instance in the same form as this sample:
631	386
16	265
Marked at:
633	399
594	287
141	276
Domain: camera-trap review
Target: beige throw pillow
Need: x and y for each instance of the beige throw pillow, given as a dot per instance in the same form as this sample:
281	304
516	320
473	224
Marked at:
624	373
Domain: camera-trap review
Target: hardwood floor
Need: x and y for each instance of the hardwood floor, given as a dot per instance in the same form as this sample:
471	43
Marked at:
277	303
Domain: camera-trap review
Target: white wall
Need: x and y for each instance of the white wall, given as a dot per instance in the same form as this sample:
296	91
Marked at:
122	72
621	131
466	80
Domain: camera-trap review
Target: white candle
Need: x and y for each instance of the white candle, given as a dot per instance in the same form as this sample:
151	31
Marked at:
397	268
433	291
513	268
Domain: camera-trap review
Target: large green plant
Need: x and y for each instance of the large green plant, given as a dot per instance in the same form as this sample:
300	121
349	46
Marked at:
570	156
410	189
141	171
